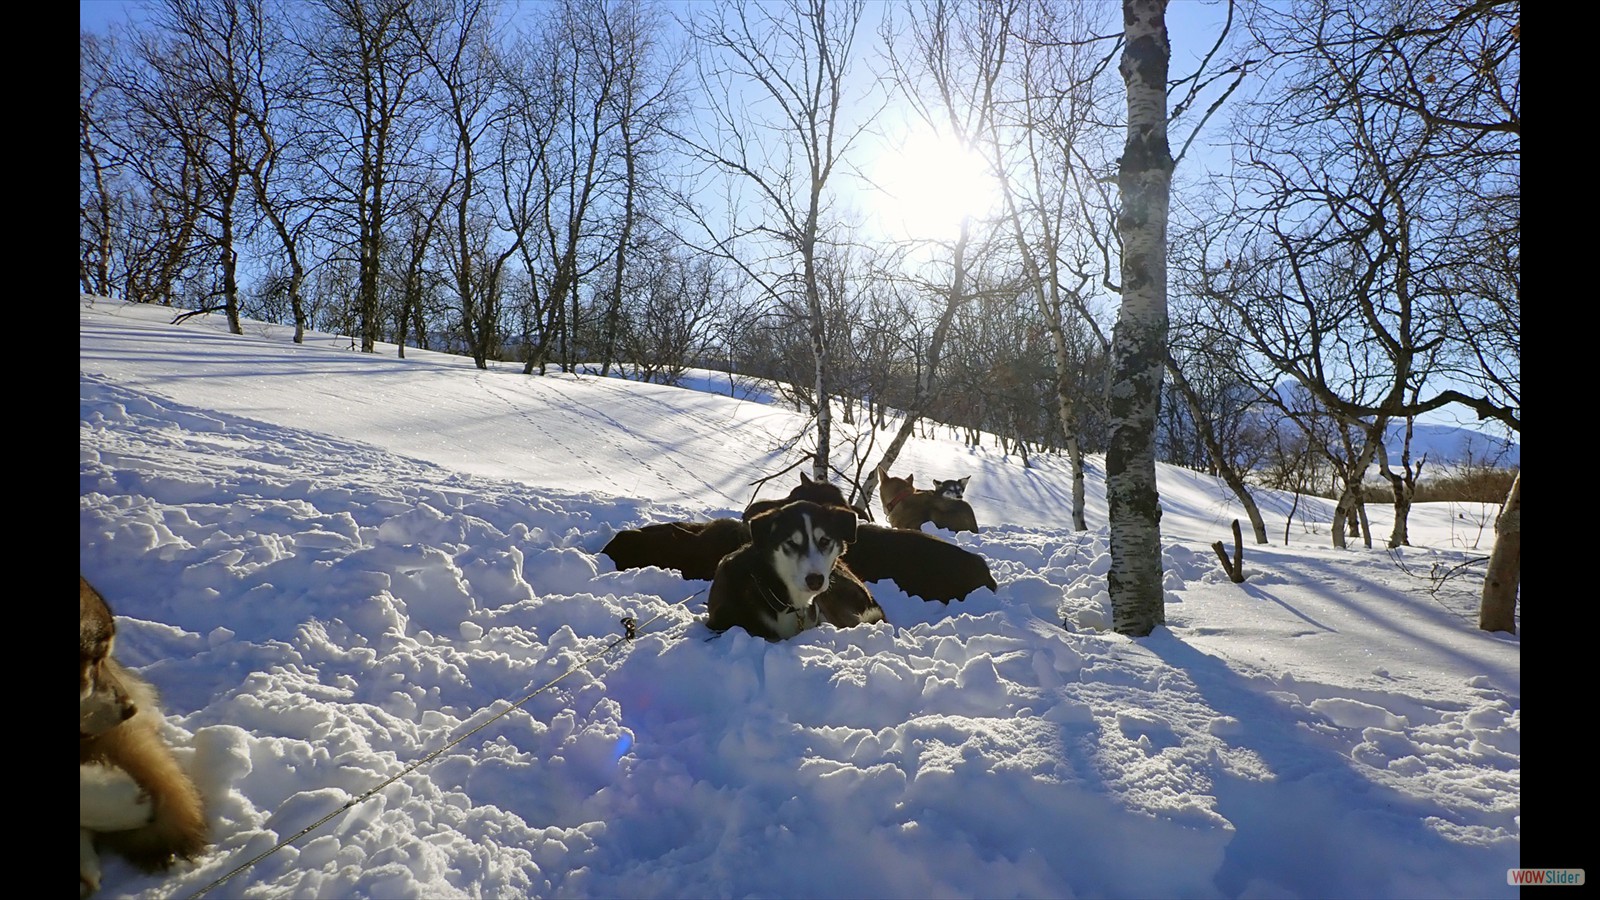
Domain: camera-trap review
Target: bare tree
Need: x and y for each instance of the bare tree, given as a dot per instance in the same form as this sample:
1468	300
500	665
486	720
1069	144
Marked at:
1403	484
413	227
1504	579
674	310
1348	275
1139	342
146	186
457	42
528	142
278	88
580	74
775	78
202	57
646	101
1222	460
97	208
366	66
1050	152
946	75
1355	168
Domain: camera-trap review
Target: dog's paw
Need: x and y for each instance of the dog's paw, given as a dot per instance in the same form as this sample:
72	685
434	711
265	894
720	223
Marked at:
88	864
110	800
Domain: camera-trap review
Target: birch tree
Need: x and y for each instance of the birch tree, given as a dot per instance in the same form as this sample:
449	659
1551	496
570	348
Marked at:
775	77
1139	340
366	69
1047	142
457	48
955	56
1504	579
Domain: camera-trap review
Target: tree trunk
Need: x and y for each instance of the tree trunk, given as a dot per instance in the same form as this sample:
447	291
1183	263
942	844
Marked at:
1504	578
1067	411
1219	457
1139	344
925	389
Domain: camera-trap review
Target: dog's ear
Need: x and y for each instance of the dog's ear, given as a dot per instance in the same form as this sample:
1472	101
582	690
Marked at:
761	525
964	482
804	478
842	522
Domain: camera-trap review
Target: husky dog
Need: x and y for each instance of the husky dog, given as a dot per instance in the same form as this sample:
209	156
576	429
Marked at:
695	548
822	492
790	577
954	488
906	507
133	797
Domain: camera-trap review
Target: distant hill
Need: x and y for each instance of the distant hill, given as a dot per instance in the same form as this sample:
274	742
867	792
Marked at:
1451	445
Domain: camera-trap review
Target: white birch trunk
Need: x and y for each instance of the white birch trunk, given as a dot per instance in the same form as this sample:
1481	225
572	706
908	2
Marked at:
1500	585
1138	347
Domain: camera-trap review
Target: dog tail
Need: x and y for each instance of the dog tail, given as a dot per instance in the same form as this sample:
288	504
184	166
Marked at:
177	829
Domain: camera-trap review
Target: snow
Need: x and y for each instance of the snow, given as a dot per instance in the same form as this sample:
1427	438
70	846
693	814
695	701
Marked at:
371	593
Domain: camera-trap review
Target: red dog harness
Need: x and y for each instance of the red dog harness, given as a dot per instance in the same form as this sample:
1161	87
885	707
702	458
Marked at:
889	507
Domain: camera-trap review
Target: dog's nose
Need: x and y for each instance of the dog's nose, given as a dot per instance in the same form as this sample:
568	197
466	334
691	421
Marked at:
815	581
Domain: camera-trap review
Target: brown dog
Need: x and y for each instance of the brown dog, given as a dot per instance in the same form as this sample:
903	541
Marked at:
906	507
133	797
693	548
790	577
824	492
921	564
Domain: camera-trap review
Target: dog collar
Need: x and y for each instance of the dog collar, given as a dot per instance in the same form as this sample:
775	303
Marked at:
889	507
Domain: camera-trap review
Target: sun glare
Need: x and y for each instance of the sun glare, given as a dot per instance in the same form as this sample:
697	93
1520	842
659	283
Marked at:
928	182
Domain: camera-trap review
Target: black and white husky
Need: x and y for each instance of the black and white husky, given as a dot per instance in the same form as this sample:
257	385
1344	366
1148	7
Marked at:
955	488
789	577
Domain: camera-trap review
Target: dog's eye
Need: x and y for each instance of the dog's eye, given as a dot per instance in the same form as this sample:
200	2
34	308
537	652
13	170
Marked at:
823	542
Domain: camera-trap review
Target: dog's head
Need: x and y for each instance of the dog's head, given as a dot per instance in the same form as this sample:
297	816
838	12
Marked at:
103	702
803	539
823	492
892	490
954	488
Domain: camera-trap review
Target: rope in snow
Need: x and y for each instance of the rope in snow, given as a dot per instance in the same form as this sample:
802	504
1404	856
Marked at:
630	630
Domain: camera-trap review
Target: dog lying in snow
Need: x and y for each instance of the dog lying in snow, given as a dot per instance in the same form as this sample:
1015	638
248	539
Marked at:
133	797
921	564
906	507
790	576
953	488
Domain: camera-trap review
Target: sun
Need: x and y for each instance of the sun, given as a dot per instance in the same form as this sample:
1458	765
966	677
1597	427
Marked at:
928	181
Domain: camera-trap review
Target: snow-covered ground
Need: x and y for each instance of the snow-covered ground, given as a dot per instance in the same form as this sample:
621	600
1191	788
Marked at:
335	565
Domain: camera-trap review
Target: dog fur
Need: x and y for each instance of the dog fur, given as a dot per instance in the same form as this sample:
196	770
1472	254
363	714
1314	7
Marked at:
693	548
790	576
954	488
907	507
920	564
133	796
824	492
